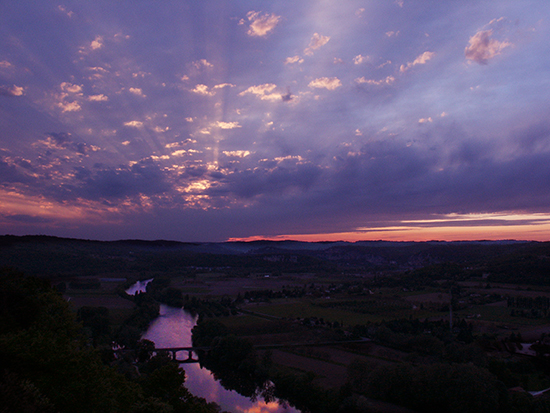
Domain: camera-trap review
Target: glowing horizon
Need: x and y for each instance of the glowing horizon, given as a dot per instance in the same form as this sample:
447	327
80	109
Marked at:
528	231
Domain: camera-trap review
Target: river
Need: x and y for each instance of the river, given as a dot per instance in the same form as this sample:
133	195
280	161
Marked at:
138	287
173	329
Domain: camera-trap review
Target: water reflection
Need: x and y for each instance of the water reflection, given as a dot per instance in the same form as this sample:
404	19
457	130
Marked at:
173	329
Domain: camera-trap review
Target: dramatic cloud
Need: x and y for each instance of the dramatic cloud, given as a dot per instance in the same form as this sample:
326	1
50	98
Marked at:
483	48
315	43
261	24
182	121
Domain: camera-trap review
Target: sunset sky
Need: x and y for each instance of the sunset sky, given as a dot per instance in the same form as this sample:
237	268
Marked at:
313	120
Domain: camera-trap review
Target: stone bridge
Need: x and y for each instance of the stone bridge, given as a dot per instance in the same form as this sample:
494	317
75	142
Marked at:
191	351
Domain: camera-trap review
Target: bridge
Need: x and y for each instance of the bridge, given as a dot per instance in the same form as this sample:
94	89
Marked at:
194	350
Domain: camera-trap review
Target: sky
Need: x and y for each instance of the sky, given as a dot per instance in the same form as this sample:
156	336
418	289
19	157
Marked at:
208	121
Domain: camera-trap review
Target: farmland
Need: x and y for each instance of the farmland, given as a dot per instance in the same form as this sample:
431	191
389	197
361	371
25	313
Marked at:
412	309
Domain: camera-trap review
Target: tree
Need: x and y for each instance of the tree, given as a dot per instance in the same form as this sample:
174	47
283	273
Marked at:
44	347
460	388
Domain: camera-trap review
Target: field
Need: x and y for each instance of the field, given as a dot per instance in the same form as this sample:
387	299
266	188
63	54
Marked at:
290	319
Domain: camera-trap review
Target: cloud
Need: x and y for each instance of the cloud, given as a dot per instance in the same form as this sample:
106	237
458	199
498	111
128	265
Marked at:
482	47
142	178
287	97
69	106
420	60
386	81
97	43
11	91
261	24
201	89
315	43
238	154
178	144
202	63
360	59
28	219
179	152
392	33
222	85
294	59
134	124
267	182
98	98
4	64
264	92
137	91
71	88
204	90
9	172
64	141
99	72
425	120
140	74
64	10
329	83
228	125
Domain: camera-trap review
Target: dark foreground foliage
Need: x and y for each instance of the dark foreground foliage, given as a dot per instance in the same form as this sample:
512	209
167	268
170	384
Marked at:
47	364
